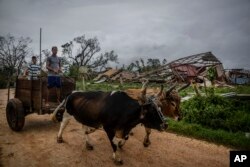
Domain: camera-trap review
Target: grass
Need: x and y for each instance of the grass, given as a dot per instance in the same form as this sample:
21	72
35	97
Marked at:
105	86
240	89
235	140
243	89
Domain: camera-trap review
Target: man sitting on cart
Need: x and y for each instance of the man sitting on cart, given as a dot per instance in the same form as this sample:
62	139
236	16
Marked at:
33	69
53	65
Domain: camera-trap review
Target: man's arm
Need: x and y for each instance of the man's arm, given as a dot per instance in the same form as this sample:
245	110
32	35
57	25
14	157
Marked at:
60	66
48	65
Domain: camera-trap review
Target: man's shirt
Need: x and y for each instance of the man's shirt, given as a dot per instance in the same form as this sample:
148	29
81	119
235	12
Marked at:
34	71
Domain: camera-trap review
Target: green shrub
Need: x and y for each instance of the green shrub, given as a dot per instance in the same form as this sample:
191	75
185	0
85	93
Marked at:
243	89
217	112
236	139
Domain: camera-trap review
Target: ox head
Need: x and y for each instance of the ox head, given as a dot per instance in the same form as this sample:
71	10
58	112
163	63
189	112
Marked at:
151	114
169	102
152	117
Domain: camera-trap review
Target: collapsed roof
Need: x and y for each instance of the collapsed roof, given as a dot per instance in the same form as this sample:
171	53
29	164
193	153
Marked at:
182	69
238	76
115	74
186	68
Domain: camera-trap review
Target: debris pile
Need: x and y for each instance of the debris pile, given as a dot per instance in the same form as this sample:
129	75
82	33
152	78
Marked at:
115	75
238	76
188	69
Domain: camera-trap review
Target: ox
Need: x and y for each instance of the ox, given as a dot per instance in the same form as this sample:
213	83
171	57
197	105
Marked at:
168	101
115	111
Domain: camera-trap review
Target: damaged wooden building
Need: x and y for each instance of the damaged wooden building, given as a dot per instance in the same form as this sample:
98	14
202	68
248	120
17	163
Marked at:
181	70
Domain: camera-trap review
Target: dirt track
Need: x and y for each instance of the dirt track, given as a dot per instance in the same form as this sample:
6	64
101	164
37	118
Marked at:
36	145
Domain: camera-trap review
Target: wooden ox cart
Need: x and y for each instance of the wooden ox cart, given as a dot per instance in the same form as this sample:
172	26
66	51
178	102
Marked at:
30	98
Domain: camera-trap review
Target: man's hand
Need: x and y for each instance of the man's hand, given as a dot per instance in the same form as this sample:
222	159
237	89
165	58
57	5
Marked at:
56	70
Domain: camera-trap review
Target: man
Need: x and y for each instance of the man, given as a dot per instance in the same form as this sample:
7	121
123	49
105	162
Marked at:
33	69
53	65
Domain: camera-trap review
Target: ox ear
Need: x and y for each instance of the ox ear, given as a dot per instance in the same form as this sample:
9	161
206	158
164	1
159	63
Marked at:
183	87
144	110
170	89
160	93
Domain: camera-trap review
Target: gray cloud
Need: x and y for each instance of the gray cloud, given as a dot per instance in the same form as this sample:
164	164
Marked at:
138	29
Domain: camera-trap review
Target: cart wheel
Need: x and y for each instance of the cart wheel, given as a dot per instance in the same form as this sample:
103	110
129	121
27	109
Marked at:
15	114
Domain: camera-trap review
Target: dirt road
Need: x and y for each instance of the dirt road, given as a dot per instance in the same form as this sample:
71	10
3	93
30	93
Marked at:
36	145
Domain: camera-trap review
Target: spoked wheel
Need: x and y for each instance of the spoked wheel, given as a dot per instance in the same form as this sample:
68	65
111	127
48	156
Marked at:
15	114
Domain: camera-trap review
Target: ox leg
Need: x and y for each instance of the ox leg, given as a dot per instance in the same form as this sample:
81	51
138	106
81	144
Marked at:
64	123
146	141
87	131
114	143
124	135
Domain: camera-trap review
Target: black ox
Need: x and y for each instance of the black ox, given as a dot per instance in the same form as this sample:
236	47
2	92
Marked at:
116	112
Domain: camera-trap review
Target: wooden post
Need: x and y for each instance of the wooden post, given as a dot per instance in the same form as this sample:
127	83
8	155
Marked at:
83	83
194	84
121	80
205	85
40	79
82	71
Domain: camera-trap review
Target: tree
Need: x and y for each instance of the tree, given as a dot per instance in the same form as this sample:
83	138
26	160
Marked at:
13	52
142	63
131	66
139	65
153	63
84	51
164	61
45	54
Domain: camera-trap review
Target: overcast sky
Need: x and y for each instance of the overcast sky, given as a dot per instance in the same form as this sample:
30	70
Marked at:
168	29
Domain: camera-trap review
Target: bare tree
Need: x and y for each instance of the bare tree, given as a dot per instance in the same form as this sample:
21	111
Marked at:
153	63
13	52
45	54
164	61
142	62
84	51
131	66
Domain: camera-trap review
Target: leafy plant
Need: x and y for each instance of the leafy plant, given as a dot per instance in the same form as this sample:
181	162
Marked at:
236	139
211	74
217	112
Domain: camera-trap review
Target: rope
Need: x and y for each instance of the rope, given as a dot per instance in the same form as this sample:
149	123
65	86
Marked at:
152	100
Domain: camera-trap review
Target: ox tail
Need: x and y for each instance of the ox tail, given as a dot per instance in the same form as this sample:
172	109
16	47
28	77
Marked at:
53	117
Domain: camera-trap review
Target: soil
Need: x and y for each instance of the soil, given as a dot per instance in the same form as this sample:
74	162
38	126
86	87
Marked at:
36	145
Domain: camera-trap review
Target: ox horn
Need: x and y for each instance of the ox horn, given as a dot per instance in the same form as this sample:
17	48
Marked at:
183	87
143	90
161	90
170	89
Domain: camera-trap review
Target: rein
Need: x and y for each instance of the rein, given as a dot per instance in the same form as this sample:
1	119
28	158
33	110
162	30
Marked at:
151	100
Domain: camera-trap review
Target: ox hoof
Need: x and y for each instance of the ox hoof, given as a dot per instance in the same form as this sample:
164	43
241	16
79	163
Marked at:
118	162
146	144
89	146
59	140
